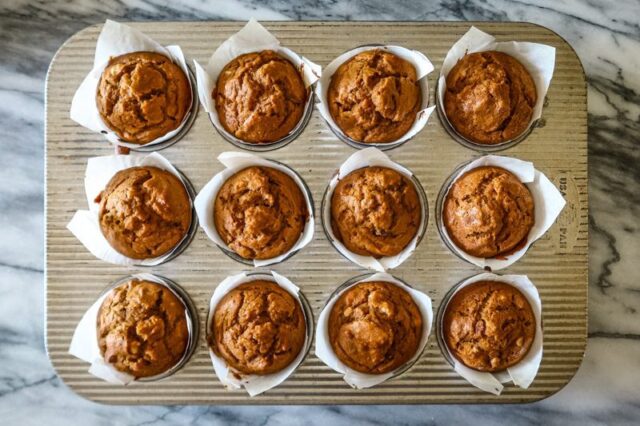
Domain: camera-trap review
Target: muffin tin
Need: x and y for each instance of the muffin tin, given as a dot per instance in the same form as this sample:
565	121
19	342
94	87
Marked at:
557	263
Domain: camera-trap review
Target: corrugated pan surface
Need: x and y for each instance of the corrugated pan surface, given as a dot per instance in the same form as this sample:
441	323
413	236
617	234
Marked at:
557	263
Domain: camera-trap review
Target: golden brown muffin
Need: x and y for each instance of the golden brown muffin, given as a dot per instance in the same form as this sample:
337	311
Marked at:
489	326
260	97
260	212
488	212
258	328
374	97
490	97
375	327
143	96
144	212
375	211
142	328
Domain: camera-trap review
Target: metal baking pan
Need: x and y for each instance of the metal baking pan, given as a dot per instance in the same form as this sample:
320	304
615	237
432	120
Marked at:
557	263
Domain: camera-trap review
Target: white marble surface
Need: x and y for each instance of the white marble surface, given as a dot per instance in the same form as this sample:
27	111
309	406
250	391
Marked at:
606	35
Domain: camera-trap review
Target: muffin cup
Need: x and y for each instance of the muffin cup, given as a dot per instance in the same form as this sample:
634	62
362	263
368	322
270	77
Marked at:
256	384
253	37
538	59
548	203
85	224
84	344
117	39
523	373
423	68
235	162
369	157
325	352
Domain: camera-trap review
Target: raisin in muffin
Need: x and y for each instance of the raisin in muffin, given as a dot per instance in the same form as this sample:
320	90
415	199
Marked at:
375	327
142	328
143	96
490	97
260	212
260	97
375	211
144	212
488	212
489	326
374	97
258	328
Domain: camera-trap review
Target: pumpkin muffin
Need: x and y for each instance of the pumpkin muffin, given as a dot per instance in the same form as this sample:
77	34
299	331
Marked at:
260	212
490	97
142	328
375	327
374	97
375	211
489	326
488	212
144	212
258	328
142	96
260	97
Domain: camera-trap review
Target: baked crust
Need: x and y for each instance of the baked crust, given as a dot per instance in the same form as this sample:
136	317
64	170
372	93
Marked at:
144	212
258	328
142	328
375	327
489	326
260	97
374	97
490	97
143	96
488	212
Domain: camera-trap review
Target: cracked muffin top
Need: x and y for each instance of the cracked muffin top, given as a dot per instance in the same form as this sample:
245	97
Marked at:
374	97
260	212
260	97
490	97
375	327
142	328
258	328
144	212
488	212
375	211
143	96
489	326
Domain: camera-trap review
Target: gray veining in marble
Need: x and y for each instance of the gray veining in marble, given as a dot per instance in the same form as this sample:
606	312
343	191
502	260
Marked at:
606	36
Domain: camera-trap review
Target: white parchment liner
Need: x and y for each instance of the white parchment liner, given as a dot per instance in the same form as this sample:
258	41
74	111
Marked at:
85	224
523	373
547	199
235	162
423	68
366	158
253	37
538	59
117	39
84	343
354	378
255	384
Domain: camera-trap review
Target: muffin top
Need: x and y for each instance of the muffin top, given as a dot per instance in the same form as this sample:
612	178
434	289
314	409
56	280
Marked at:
144	212
489	326
490	97
142	328
258	328
260	97
143	96
260	212
488	212
375	211
375	327
374	97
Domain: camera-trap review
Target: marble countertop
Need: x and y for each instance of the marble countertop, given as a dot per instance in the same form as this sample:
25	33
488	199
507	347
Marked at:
606	36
